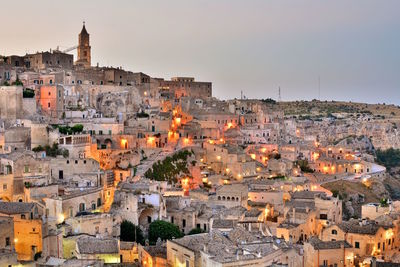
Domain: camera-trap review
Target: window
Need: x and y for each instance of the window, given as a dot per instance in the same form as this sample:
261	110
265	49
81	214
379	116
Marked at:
357	244
98	202
7	241
323	216
148	219
48	105
26	169
334	232
93	206
82	207
325	263
186	263
22	216
183	223
4	186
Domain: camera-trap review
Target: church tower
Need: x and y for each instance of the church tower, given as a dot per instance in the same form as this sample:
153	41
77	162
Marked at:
84	57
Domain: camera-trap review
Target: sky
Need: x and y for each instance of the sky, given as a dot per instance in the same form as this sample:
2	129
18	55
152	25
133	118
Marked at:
254	46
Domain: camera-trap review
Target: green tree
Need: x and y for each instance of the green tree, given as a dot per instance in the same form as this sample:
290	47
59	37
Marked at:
196	231
303	164
164	230
389	158
77	128
131	233
18	82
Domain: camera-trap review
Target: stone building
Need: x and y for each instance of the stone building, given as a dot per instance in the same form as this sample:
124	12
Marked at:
366	236
90	248
328	253
237	247
150	256
51	100
27	228
11	102
52	59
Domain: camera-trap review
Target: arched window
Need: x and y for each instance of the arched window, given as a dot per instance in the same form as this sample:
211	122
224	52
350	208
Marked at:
223	198
334	232
219	198
93	206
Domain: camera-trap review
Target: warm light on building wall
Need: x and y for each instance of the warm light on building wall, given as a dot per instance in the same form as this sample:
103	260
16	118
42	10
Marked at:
253	156
151	141
60	218
124	143
177	121
218	157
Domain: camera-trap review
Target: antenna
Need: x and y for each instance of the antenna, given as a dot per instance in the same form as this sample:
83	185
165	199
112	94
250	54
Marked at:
319	88
279	94
241	95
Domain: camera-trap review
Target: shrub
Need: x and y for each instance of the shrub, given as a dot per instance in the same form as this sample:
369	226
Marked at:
163	230
131	233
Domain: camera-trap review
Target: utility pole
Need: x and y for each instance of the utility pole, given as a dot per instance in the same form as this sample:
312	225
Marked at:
279	95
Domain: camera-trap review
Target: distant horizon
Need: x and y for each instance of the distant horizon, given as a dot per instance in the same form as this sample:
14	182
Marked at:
252	46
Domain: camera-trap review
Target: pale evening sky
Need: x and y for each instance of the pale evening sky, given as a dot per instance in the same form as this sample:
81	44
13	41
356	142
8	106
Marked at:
250	45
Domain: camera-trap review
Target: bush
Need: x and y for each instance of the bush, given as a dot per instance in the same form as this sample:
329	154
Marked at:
389	158
52	151
77	128
170	167
28	93
37	256
142	115
196	231
131	233
163	230
303	164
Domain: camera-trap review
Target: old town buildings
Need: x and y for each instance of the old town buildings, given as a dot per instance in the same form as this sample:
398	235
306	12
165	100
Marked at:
85	149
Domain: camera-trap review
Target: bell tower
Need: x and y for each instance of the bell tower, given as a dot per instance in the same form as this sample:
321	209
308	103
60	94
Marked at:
84	57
